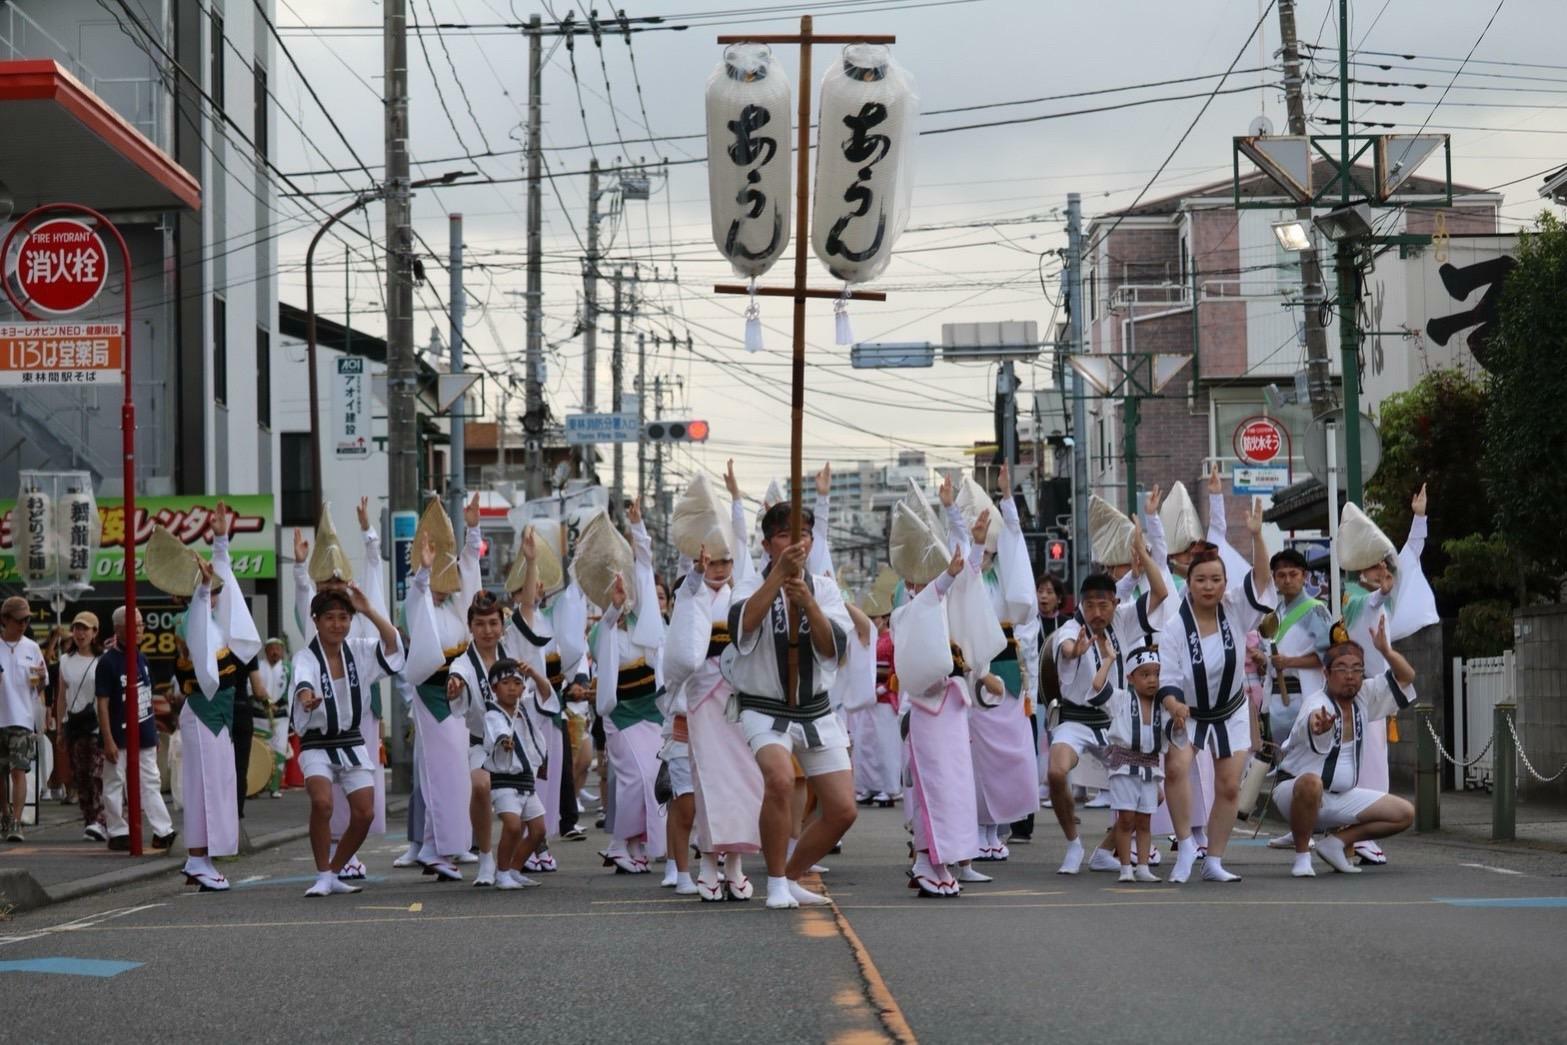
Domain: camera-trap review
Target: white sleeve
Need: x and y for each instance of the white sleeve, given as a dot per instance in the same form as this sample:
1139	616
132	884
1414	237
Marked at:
201	641
648	630
1015	570
374	582
468	570
641	543
690	628
495	727
606	654
1235	564
234	621
820	560
1158	543
1384	696
1172	662
957	533
569	621
426	655
1415	544
304	591
745	641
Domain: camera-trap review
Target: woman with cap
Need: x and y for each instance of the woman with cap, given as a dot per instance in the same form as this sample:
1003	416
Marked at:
222	639
77	714
1201	679
440	594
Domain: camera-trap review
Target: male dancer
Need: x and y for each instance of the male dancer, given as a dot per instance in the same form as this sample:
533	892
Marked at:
777	722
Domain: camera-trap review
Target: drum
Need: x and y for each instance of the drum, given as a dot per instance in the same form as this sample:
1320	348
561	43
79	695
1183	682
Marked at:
259	773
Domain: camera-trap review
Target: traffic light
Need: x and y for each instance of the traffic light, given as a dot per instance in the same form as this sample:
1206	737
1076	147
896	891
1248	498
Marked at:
1058	557
675	432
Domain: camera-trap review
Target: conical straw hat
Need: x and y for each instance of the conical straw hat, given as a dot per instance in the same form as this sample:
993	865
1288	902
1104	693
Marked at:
328	560
1361	544
171	567
1109	532
916	554
1182	526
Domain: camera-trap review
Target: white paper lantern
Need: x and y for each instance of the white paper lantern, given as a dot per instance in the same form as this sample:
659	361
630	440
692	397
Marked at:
33	536
863	151
78	532
748	159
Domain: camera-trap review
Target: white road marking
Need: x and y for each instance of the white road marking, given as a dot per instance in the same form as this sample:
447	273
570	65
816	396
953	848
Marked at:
89	921
1495	870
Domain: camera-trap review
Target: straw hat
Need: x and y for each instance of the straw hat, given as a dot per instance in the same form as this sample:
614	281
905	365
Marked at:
328	560
916	554
171	567
1109	533
1182	527
601	554
1361	545
435	524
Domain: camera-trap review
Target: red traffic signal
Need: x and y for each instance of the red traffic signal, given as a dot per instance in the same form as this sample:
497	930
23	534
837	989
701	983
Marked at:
1055	551
675	432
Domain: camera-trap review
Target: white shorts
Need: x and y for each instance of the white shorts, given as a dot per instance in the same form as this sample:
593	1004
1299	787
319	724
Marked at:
830	753
680	775
509	800
475	756
1131	793
1222	739
351	778
1078	737
1339	808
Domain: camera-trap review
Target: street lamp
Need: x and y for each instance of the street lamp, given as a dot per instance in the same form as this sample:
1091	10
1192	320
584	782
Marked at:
1293	234
1353	222
364	199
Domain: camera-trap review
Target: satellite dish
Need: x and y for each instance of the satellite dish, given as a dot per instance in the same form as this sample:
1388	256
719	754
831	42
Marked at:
1261	127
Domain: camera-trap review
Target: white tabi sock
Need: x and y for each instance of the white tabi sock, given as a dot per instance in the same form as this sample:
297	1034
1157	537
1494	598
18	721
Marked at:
1073	861
1200	837
671	873
707	869
1302	868
1213	871
1185	857
778	895
733	870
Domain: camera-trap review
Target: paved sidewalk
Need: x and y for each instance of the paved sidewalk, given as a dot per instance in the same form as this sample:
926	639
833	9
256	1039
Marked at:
57	863
1466	815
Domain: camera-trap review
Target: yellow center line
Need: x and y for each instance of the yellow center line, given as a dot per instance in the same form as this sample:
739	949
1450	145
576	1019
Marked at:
1156	903
887	1009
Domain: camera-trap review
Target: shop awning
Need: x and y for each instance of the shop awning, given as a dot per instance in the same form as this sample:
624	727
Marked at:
63	143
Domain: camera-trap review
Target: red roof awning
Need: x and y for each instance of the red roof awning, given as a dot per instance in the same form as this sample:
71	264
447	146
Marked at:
64	143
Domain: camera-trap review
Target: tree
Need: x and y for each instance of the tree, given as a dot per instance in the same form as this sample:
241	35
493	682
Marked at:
1525	440
1428	436
1480	585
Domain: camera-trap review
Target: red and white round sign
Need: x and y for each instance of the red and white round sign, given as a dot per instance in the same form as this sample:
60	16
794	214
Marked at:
1258	440
61	266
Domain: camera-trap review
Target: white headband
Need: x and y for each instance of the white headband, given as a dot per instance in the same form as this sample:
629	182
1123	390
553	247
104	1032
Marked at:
1140	656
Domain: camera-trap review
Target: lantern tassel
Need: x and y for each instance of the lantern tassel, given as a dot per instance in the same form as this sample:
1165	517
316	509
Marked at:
840	310
753	323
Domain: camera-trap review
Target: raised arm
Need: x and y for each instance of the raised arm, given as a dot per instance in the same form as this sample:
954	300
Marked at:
607	650
374	579
234	620
304	587
468	558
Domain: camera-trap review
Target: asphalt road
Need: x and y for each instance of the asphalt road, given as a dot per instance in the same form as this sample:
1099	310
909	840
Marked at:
1450	940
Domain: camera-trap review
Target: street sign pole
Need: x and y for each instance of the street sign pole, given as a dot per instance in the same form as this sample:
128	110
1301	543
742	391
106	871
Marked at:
128	473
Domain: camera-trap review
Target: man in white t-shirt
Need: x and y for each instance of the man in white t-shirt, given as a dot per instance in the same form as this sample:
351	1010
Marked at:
22	675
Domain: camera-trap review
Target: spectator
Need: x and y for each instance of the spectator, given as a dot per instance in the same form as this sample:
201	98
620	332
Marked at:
77	713
22	675
109	687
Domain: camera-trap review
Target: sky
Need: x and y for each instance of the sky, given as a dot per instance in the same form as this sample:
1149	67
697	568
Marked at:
986	229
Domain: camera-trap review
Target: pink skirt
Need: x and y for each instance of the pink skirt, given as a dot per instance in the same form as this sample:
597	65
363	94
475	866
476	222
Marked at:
207	787
444	780
941	767
633	756
728	782
1006	769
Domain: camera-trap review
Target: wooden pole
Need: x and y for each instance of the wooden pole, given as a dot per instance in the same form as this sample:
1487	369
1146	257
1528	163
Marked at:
800	291
802	196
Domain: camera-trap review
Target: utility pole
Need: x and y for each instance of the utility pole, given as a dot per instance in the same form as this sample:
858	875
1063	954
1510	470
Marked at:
590	314
1318	369
662	532
402	424
1344	269
641	387
615	368
534	411
1077	315
1006	398
455	493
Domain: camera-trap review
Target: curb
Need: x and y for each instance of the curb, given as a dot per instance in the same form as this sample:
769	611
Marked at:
19	889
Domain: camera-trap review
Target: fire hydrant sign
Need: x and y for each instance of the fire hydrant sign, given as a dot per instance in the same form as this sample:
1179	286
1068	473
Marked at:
61	354
61	266
1259	440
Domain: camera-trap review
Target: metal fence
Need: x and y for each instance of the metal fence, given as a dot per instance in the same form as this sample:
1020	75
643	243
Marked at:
1479	684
